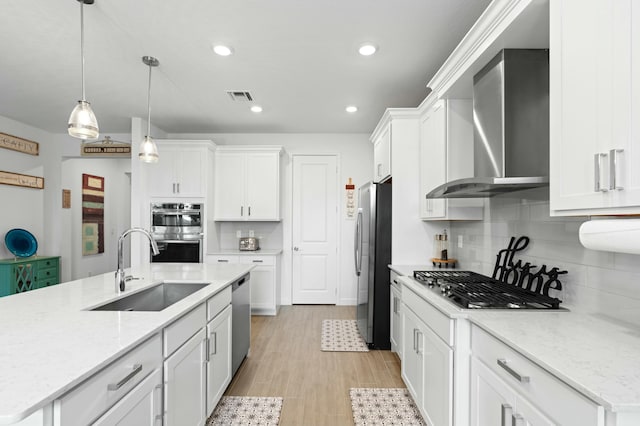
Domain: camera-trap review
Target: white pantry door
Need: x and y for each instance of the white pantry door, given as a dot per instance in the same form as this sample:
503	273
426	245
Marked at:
315	229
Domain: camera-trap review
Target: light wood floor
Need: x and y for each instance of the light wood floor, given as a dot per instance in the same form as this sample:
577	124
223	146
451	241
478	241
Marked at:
285	360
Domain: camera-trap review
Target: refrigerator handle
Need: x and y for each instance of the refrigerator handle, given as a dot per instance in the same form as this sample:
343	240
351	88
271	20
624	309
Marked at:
357	243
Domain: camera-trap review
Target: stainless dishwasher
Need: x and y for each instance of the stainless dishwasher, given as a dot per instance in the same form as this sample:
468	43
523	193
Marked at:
240	321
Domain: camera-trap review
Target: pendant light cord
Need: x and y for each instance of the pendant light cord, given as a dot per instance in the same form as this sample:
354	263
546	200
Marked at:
82	44
149	105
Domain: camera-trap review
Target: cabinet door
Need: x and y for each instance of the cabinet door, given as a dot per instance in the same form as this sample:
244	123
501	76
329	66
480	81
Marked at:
262	186
185	383
382	156
142	406
438	373
230	185
582	121
412	354
191	172
263	295
161	176
396	321
219	358
433	160
492	401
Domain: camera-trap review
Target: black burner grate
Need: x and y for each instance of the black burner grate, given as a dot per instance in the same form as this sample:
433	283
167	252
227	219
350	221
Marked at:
475	291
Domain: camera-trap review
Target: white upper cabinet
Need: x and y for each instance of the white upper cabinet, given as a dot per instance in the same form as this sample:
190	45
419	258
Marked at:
247	184
382	154
182	170
595	104
446	154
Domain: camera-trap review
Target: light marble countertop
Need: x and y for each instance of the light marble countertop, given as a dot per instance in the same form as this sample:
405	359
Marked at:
51	343
593	353
235	252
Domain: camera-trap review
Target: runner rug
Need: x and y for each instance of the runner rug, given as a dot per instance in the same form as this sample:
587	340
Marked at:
246	410
384	406
342	336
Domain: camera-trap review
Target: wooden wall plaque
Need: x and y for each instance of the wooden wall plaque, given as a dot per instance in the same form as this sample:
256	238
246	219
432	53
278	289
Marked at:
19	144
16	179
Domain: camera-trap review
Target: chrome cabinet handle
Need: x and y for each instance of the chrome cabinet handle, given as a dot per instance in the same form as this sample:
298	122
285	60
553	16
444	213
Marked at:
414	340
215	343
249	210
505	412
517	420
158	416
522	379
241	210
379	169
613	169
174	188
257	261
395	305
419	333
223	260
597	163
178	186
115	386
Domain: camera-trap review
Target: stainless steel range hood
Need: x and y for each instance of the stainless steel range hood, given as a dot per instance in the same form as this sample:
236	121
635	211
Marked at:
510	127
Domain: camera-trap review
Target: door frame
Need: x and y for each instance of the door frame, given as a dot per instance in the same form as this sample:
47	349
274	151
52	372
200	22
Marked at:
339	228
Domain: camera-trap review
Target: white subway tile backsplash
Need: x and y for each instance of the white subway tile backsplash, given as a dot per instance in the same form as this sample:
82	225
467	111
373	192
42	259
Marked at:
597	281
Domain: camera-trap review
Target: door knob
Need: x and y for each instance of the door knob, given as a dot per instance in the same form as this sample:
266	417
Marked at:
296	249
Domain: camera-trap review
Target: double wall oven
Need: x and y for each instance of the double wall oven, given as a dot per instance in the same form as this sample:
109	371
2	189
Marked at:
177	228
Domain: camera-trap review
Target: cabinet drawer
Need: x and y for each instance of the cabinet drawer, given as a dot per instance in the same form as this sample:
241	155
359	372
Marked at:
47	273
258	260
182	329
562	403
48	263
393	279
222	259
96	395
441	324
217	303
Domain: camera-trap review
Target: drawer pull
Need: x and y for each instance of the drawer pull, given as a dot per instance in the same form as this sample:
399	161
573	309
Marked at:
257	261
213	336
506	412
115	386
522	379
395	281
223	260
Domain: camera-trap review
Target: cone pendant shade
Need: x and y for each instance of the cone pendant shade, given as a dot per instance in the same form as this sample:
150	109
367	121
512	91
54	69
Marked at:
148	150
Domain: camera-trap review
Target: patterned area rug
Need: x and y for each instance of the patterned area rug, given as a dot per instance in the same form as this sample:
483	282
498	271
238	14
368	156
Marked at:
384	406
246	410
342	336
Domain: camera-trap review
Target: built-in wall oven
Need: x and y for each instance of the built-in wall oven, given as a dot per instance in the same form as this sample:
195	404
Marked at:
177	228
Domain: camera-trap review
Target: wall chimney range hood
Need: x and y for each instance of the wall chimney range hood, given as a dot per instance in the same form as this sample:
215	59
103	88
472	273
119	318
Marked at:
510	127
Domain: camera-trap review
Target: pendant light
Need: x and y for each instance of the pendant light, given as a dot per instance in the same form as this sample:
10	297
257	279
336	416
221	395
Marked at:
148	149
82	121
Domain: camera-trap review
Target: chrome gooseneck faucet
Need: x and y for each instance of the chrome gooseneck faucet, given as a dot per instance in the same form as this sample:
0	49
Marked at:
120	277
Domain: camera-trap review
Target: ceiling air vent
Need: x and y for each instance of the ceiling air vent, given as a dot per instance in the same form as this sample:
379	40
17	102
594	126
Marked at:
240	95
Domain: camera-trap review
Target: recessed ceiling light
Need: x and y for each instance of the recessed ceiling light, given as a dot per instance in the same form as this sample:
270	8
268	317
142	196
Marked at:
256	108
351	109
222	50
367	49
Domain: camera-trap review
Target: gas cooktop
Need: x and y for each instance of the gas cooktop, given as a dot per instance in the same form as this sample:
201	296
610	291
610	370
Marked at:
470	290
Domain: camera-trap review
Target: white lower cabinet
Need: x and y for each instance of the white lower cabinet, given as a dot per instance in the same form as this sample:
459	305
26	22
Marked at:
141	407
219	357
508	389
427	360
395	316
185	383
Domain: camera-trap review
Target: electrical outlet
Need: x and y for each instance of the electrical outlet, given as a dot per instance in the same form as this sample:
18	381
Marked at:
239	233
251	233
459	241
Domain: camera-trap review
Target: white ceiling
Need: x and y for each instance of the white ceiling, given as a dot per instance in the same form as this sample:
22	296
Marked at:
298	58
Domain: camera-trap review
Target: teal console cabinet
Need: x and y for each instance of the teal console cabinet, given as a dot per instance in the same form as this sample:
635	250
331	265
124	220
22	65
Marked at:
20	275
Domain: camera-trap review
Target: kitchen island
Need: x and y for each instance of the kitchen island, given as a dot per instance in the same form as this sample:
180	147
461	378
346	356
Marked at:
52	342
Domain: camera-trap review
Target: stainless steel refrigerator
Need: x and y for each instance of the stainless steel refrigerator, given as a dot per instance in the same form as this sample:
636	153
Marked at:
372	255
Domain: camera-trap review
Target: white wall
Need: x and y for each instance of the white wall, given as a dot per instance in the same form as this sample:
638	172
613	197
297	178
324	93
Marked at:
116	213
355	154
601	282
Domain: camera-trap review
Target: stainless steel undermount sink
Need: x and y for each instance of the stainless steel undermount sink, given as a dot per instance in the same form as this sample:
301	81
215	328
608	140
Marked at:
154	299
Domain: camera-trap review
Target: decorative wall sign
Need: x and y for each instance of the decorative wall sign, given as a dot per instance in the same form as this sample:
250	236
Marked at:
16	179
106	148
66	198
350	189
19	144
92	214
